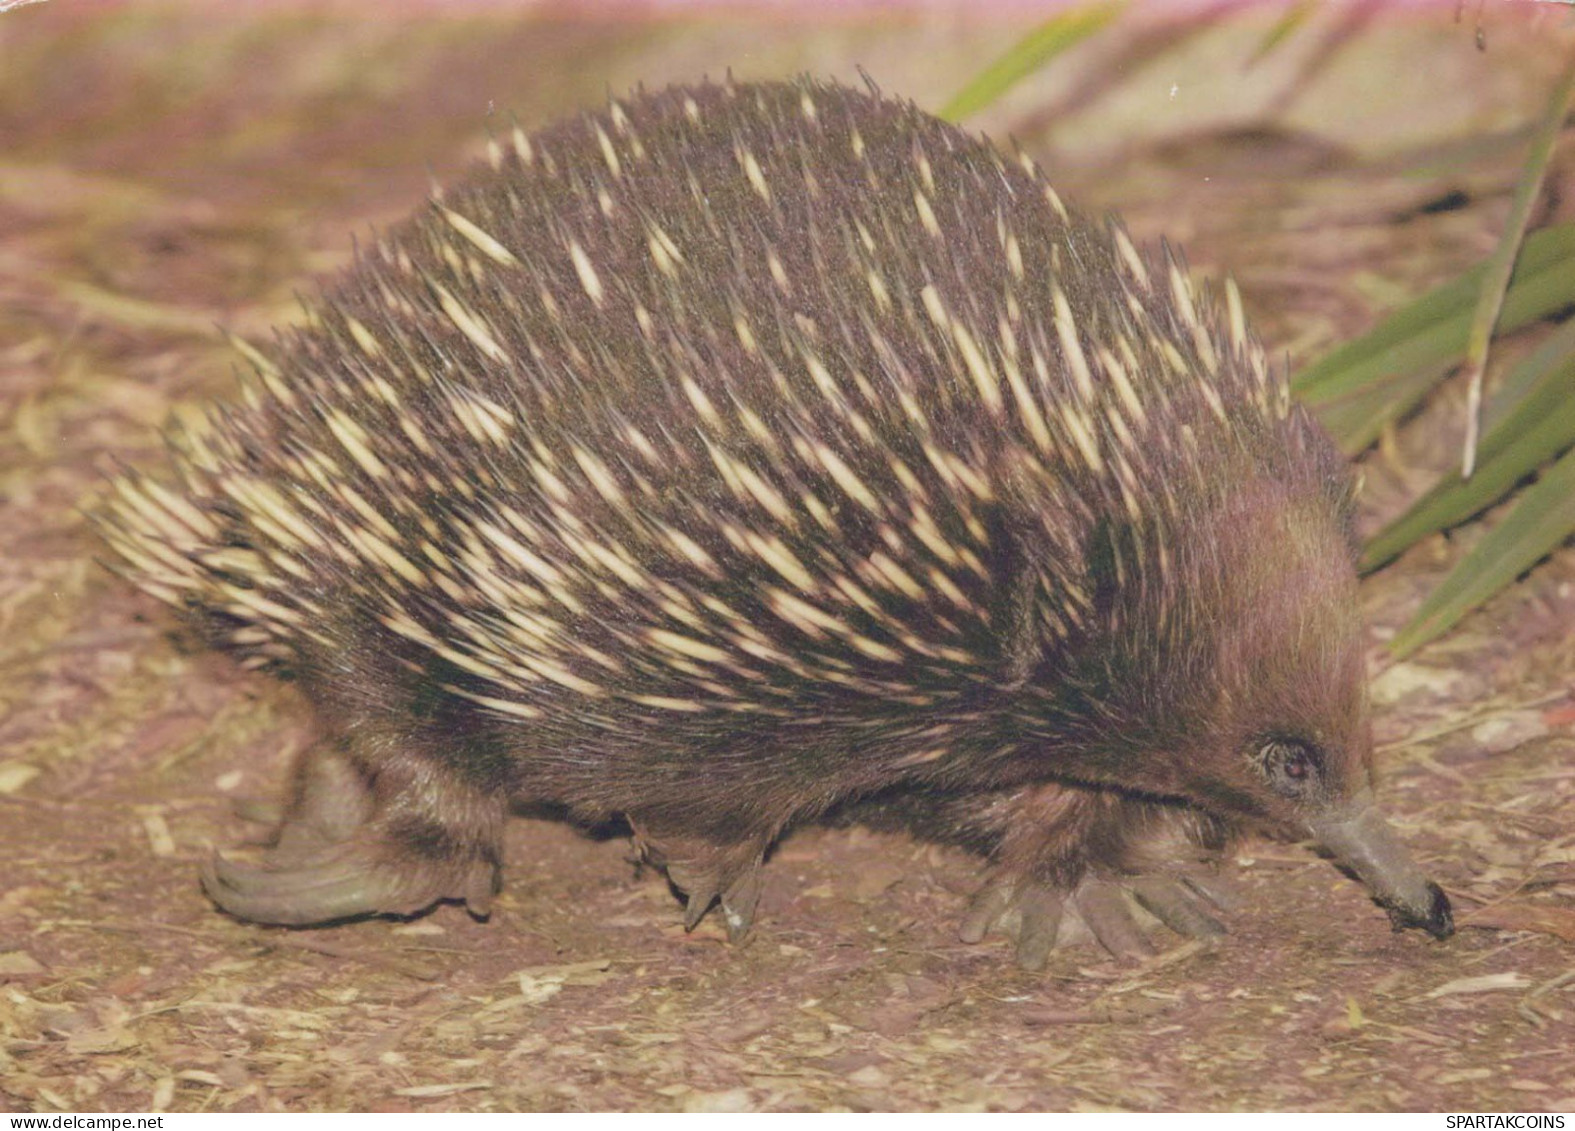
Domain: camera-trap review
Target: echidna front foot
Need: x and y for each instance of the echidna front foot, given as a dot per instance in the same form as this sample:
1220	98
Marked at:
1039	915
1067	857
708	873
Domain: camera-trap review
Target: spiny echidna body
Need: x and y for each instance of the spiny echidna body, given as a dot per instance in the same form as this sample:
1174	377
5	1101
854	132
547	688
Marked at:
745	449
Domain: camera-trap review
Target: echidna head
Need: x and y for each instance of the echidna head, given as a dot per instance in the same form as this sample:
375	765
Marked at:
1281	686
1258	679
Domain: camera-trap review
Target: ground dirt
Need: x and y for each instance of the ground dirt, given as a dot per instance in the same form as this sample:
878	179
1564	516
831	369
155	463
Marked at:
162	173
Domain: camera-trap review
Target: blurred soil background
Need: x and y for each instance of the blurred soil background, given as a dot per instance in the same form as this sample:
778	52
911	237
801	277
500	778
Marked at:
169	169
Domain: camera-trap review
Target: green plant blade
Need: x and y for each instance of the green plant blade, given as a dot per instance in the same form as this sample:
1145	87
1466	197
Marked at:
1294	18
1034	50
1527	380
1543	518
1501	263
1349	367
1529	420
1355	421
1377	378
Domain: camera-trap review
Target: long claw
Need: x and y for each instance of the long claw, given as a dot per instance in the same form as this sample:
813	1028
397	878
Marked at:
989	904
1175	906
739	903
482	885
1041	921
695	907
1105	910
700	890
1214	889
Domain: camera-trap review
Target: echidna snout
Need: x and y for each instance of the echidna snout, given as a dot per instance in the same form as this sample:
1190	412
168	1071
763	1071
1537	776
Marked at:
1361	838
743	450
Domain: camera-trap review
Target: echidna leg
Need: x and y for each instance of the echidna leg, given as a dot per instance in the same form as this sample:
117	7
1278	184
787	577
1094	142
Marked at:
707	872
356	842
329	800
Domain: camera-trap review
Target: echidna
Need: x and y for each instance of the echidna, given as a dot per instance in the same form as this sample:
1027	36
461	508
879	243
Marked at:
741	450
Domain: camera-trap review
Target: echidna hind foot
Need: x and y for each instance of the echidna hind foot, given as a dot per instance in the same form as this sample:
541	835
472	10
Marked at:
351	847
708	873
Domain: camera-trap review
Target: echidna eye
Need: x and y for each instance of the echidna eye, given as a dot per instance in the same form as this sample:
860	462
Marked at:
1291	767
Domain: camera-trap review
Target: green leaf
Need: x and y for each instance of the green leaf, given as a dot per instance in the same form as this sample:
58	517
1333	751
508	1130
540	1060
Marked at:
1293	19
1543	518
1529	420
1356	420
1056	35
1361	386
1545	248
1502	262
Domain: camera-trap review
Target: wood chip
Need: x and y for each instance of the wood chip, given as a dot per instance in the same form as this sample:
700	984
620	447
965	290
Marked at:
18	964
1483	984
427	1091
1556	921
14	775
